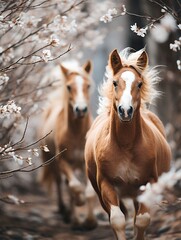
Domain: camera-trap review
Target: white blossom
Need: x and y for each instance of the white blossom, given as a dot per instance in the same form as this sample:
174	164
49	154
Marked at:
64	24
139	31
112	11
163	10
123	10
3	80
54	41
17	158
27	21
168	22
14	199
176	45
153	193
159	33
46	55
34	151
9	151
35	58
45	148
9	109
179	65
109	15
29	161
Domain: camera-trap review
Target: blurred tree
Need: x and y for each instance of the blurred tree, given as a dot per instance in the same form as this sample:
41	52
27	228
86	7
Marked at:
158	41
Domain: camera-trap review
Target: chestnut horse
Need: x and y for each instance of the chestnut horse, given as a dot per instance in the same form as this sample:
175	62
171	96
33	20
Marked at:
126	145
68	115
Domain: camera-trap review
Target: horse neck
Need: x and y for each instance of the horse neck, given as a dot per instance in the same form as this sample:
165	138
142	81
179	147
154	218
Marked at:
125	133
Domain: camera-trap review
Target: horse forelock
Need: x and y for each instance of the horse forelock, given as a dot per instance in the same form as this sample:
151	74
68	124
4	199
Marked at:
149	76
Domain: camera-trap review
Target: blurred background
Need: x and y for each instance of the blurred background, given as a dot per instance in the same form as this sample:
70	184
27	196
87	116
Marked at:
37	35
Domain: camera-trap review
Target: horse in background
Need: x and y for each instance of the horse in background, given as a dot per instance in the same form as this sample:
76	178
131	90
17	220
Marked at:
68	115
126	145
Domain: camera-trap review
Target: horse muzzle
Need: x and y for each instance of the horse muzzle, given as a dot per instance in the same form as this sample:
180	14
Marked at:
125	114
80	112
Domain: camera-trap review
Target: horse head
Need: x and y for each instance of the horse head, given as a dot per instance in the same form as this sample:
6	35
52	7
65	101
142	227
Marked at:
78	84
127	84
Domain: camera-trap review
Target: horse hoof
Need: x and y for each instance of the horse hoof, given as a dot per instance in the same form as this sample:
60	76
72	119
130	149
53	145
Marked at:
90	224
66	214
76	225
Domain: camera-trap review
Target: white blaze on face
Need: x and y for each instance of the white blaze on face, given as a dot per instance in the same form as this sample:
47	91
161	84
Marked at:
80	100
126	99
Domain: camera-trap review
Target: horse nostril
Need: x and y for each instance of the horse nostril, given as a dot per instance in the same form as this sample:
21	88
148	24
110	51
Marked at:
130	111
84	110
77	109
121	111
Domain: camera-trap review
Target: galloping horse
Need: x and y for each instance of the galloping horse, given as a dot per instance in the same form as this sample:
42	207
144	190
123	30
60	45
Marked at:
69	117
126	145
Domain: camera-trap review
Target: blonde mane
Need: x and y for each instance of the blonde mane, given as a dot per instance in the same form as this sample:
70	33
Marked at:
149	75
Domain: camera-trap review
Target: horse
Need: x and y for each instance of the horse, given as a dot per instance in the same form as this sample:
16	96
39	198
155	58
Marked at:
68	116
126	145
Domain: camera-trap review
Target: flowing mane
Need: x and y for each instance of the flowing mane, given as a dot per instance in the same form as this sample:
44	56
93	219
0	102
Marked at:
149	75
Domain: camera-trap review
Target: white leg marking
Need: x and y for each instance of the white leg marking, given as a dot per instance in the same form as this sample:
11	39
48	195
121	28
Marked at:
117	220
74	183
142	220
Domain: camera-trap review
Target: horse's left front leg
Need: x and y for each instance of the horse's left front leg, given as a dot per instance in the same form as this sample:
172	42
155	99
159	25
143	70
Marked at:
141	220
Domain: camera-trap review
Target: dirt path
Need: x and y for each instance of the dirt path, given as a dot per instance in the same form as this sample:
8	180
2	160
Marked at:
37	220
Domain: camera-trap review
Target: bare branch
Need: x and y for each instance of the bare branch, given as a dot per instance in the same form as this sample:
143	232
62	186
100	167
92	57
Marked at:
10	173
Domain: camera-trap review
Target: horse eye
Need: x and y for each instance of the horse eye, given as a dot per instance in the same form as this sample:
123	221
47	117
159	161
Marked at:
140	84
69	88
88	86
115	83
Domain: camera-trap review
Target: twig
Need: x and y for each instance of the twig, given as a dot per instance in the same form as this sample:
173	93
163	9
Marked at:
10	173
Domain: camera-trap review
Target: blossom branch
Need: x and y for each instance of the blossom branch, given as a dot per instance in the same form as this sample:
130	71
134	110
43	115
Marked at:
10	173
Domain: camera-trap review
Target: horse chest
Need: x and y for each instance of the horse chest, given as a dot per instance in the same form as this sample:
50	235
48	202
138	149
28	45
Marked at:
125	171
75	156
128	172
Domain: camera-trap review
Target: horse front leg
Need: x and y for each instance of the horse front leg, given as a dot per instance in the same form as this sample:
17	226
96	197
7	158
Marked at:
76	187
111	204
141	220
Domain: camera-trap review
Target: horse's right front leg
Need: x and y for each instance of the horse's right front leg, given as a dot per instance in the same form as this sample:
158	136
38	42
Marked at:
111	204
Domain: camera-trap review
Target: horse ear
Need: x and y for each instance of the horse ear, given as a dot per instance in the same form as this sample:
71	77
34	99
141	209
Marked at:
64	70
142	61
87	66
115	61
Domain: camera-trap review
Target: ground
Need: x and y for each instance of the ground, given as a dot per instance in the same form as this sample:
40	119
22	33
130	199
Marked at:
37	219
